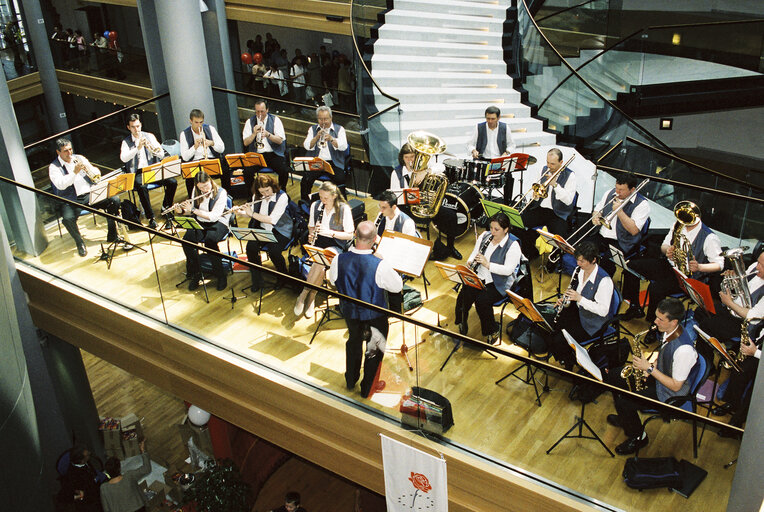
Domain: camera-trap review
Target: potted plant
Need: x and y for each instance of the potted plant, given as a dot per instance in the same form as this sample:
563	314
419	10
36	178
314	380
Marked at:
219	488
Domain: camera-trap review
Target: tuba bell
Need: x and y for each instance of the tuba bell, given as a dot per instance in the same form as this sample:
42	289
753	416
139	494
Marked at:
432	189
686	213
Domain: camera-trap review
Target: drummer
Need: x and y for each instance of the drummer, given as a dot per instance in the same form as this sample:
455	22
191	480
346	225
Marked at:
493	139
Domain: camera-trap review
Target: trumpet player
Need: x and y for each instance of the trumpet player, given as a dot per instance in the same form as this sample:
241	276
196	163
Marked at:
264	133
554	210
669	375
328	141
68	175
200	141
141	149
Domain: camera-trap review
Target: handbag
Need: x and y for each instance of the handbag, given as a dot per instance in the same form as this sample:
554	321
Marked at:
652	473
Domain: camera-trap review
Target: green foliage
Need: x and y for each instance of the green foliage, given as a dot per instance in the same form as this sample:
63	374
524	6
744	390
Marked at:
219	488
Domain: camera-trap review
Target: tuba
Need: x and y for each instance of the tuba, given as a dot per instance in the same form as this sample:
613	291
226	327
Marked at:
432	188
686	213
736	284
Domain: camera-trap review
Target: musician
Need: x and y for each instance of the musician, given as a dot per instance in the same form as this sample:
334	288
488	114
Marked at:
328	141
391	218
705	258
201	141
141	149
401	175
737	397
554	210
268	130
330	226
496	261
268	211
626	228
669	375
591	288
493	139
361	275
208	205
68	176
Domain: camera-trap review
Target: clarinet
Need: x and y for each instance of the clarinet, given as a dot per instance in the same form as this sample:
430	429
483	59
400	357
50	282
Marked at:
317	225
475	265
565	300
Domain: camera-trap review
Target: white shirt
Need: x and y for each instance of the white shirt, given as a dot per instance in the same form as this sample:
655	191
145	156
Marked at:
126	154
386	277
565	194
323	153
63	181
278	210
300	80
216	214
685	358
347	220
639	215
712	247
492	141
408	228
189	154
600	305
278	131
511	259
397	185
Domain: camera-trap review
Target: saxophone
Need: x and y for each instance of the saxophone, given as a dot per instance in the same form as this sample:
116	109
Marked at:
635	379
745	339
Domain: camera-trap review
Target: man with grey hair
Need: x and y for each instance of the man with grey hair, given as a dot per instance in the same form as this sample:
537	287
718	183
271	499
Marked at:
326	140
358	273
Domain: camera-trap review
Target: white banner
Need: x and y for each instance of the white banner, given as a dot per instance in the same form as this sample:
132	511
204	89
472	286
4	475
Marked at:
414	480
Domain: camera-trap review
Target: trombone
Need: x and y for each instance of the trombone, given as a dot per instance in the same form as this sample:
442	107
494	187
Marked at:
539	190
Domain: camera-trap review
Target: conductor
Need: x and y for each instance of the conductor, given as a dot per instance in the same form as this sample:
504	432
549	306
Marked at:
359	274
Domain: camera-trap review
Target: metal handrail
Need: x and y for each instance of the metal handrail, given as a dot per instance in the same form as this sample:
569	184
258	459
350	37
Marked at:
260	96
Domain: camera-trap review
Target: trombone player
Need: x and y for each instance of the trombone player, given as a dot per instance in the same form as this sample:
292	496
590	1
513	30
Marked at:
141	149
690	244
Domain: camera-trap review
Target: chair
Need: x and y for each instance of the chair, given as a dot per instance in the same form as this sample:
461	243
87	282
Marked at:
688	402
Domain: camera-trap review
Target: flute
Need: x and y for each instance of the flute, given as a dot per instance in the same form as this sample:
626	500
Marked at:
176	205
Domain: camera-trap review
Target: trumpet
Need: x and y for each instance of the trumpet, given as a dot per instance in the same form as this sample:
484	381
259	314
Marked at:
323	134
259	136
181	203
92	173
539	190
157	151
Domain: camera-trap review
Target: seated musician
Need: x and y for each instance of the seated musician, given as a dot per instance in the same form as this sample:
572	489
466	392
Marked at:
737	397
670	374
704	254
496	260
141	149
405	176
268	211
68	174
328	141
591	288
552	211
626	229
201	141
492	139
330	226
207	204
264	133
391	218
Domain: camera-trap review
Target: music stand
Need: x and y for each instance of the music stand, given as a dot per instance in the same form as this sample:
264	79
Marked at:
699	292
168	167
583	359
562	245
187	223
242	160
491	208
211	166
109	186
306	163
528	309
251	235
320	256
519	162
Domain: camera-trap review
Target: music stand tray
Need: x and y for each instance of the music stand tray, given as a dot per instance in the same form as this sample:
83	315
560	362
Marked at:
242	160
167	168
491	208
407	254
307	163
210	166
253	234
699	292
318	255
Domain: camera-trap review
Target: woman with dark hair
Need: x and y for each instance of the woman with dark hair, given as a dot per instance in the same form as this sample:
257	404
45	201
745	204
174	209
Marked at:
268	211
121	492
496	260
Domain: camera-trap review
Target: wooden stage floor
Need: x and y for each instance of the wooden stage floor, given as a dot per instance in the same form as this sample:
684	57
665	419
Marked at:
498	421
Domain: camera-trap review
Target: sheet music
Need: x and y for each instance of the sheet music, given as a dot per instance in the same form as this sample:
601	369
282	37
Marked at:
404	255
582	357
253	234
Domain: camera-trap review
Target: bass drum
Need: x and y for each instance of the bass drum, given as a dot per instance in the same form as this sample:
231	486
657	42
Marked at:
461	205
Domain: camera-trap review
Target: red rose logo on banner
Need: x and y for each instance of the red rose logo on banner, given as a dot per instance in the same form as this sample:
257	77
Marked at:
420	483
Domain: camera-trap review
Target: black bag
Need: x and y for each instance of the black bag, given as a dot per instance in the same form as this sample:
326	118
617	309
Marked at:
652	473
206	263
130	211
359	210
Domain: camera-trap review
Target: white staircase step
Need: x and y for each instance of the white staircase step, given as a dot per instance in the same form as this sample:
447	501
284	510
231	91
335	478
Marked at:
391	78
447	95
424	33
495	9
443	20
465	111
437	49
423	62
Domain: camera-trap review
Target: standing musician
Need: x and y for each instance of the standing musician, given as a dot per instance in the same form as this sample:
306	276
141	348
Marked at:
554	210
208	204
591	288
328	141
391	218
69	175
670	375
496	260
626	229
361	275
141	149
705	255
330	226
493	139
264	133
198	142
404	176
268	211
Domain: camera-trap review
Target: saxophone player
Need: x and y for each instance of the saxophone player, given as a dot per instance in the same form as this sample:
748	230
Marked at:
669	375
68	174
703	252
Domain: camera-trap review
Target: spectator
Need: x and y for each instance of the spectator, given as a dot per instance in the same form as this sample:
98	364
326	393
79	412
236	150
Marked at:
258	71
291	503
313	78
324	55
82	51
56	45
101	45
258	44
79	483
344	85
297	74
121	492
71	49
277	86
297	54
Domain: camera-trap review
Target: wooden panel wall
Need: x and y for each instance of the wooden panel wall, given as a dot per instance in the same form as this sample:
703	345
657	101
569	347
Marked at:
25	87
325	431
300	14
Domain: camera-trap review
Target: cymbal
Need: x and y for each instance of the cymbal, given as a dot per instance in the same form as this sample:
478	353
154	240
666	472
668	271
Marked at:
532	160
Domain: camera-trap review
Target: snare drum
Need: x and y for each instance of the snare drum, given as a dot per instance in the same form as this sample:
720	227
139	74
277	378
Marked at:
462	201
454	169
